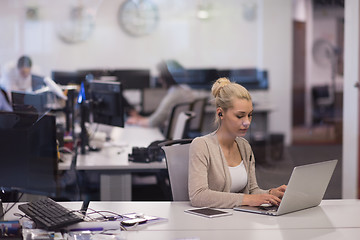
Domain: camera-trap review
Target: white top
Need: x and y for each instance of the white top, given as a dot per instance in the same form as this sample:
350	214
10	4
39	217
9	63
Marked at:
238	177
11	80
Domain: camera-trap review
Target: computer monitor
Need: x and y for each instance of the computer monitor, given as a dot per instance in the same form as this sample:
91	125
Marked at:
96	73
28	153
250	78
133	79
107	102
37	82
196	78
66	78
29	102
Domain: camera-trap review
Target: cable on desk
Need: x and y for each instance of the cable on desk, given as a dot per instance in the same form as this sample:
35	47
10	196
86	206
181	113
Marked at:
103	215
9	208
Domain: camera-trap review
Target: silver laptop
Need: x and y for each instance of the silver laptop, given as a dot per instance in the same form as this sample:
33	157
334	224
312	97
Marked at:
306	189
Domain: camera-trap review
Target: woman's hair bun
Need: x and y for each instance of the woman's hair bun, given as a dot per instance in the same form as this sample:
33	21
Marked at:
218	85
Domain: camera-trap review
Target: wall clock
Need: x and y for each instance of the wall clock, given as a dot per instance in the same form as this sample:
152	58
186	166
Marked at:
78	26
138	17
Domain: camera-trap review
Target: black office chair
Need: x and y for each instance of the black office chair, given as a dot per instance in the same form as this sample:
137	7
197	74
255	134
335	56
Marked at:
323	103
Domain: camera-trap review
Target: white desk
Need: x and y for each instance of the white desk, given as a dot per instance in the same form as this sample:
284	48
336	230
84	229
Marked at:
333	219
112	161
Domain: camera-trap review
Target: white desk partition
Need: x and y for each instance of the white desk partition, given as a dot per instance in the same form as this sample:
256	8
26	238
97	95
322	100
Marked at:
333	219
112	161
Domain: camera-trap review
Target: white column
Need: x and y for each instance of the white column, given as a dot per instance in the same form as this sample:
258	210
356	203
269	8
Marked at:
351	101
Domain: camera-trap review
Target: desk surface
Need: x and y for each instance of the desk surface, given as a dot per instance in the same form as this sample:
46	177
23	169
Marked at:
330	214
333	219
114	154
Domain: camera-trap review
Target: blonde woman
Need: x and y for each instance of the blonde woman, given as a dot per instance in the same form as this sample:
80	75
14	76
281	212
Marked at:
222	164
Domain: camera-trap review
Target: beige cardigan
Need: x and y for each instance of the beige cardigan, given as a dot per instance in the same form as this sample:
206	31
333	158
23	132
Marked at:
209	176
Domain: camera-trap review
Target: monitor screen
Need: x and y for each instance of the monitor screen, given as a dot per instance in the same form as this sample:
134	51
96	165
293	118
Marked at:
196	78
37	82
107	103
251	78
28	153
66	78
133	79
30	102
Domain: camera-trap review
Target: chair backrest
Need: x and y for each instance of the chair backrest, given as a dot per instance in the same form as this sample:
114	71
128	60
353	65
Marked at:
151	98
177	160
322	95
182	124
177	109
198	107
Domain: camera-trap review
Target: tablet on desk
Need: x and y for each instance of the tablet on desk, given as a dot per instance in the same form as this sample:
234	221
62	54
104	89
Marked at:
208	212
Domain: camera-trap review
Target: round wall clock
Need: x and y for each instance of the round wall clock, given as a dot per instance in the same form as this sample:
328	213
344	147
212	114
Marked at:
138	17
78	27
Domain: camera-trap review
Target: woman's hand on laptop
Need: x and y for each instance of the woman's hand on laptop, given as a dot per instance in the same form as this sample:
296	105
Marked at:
278	192
258	199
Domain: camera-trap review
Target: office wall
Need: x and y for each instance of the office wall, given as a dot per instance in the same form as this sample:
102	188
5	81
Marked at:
226	40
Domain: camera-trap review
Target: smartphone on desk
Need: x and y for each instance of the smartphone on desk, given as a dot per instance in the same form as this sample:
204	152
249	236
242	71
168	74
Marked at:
133	221
208	212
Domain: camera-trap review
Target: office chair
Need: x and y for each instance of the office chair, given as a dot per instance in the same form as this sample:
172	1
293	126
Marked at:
181	125
195	124
160	177
177	109
323	103
177	161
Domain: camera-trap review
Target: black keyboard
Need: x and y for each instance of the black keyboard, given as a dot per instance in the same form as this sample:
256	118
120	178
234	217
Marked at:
50	215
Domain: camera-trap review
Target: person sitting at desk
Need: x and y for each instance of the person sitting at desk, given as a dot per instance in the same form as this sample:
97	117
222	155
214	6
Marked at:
175	94
222	164
18	77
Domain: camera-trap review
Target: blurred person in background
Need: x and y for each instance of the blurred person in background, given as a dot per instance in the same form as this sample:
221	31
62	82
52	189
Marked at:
176	94
17	76
20	77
